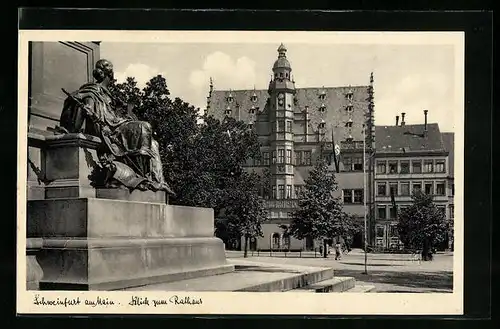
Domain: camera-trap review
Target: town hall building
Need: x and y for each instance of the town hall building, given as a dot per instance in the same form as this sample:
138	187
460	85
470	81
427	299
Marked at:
295	127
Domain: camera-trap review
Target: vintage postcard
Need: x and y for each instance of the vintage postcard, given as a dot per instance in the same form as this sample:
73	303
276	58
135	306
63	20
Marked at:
209	172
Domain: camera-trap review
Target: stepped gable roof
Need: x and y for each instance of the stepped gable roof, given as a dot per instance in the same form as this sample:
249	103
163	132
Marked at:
408	138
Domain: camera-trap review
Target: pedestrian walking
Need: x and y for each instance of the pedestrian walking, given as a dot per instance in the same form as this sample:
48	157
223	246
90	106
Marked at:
338	251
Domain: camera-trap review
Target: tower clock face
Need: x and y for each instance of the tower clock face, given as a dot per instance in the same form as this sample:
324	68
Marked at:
281	98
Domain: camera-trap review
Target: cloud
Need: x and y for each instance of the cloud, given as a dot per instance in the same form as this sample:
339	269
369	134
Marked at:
141	72
226	73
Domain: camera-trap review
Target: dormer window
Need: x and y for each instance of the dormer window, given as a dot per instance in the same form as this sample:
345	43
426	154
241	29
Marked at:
254	97
348	124
322	108
250	125
348	95
349	138
348	108
252	110
230	98
227	111
322	94
322	124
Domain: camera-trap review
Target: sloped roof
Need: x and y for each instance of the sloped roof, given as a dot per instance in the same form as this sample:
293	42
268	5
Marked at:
408	138
335	103
449	145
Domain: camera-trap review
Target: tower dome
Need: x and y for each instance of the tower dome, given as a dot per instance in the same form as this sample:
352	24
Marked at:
282	61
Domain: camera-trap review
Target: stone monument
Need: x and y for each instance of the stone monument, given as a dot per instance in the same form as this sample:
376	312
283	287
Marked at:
99	217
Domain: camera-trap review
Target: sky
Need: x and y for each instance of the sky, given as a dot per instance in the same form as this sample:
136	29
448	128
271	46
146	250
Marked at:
407	78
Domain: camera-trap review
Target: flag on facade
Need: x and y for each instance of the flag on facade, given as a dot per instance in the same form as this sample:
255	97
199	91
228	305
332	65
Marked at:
335	153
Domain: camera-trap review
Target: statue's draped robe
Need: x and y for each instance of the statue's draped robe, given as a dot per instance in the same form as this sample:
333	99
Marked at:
136	153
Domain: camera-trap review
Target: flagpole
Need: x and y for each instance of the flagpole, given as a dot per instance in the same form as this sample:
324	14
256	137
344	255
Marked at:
364	198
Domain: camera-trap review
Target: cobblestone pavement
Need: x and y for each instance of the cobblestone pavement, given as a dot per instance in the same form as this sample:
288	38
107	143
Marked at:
387	272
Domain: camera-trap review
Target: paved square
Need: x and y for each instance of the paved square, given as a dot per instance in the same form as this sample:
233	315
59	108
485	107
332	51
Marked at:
387	272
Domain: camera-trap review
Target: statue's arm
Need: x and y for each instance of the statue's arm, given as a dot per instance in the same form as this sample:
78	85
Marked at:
82	113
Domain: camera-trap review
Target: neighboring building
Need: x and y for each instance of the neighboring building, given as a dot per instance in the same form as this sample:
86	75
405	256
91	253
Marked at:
295	127
449	145
408	158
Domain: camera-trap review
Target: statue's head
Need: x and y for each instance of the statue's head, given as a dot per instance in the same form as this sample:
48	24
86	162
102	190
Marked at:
103	69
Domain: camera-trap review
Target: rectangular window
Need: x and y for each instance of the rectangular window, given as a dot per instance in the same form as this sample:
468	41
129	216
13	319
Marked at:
452	189
393	189
393	167
358	164
452	211
281	126
266	192
417	167
404	167
417	187
281	156
274	157
429	188
347	161
347	196
440	165
266	158
382	213
274	192
298	158
381	167
440	188
428	166
289	126
298	190
358	196
393	212
288	156
307	158
289	191
381	189
380	231
405	188
281	191
393	231
256	160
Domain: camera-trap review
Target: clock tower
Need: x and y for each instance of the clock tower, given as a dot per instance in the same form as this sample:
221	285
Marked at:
281	94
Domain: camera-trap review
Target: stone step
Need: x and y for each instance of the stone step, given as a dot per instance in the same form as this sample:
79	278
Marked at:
361	289
336	284
248	277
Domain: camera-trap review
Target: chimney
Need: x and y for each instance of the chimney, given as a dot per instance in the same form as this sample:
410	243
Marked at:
425	122
397	120
403	119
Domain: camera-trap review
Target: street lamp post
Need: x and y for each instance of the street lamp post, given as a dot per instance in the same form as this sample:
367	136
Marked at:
364	198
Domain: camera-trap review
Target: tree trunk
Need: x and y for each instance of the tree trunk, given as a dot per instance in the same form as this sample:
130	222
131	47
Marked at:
325	252
245	253
426	251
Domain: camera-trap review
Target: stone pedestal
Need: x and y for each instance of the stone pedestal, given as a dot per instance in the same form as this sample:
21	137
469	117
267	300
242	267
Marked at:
106	239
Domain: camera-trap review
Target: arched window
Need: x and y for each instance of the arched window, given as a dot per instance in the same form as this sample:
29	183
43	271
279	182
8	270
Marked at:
276	241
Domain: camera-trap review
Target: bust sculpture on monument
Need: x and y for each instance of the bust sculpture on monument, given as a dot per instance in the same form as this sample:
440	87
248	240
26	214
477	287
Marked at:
129	155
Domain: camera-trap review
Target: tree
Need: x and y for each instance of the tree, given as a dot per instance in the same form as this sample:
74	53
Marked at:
245	210
422	225
202	162
319	214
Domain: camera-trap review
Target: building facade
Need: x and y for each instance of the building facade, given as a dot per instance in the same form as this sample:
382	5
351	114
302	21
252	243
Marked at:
409	158
295	127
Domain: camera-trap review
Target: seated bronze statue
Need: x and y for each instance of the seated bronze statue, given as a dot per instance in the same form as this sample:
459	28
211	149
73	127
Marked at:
129	155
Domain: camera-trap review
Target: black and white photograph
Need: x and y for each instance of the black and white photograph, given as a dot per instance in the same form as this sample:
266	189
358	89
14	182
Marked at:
166	170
